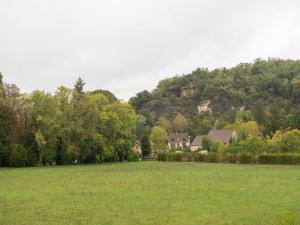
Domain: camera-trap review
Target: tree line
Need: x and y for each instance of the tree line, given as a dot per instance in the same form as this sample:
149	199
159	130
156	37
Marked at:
69	126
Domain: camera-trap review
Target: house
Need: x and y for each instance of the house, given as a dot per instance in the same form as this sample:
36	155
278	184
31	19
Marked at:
178	140
188	90
137	147
204	107
197	143
225	136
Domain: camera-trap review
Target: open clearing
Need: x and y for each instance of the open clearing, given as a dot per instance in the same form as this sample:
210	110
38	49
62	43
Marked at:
150	193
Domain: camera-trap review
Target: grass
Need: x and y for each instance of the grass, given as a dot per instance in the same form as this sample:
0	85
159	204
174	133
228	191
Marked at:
151	193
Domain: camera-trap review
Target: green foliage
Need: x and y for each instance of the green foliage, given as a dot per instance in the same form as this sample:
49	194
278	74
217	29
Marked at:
71	126
140	100
267	91
158	137
212	157
177	157
286	141
180	123
146	146
79	85
110	96
18	157
282	158
231	158
132	157
254	144
210	145
245	158
162	156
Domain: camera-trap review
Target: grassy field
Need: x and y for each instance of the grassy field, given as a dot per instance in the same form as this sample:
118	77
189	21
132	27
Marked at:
151	193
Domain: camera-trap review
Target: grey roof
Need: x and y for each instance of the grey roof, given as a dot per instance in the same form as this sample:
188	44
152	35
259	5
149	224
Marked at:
197	141
223	136
178	138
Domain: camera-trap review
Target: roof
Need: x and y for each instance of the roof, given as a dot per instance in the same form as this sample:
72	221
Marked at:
224	136
197	141
178	138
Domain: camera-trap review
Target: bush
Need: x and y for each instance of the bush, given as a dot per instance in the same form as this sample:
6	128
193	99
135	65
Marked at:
169	156
201	158
245	158
288	158
133	157
161	156
231	158
211	157
19	157
177	157
192	156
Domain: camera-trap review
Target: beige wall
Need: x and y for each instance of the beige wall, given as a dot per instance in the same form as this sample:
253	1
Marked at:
195	148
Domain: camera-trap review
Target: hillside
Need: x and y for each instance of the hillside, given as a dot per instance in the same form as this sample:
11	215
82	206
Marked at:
256	89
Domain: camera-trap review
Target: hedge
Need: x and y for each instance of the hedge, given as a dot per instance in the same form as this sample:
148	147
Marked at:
242	158
133	157
282	158
245	158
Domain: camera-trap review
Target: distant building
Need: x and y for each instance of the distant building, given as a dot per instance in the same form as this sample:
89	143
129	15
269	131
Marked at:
225	136
178	140
188	90
204	107
196	144
137	147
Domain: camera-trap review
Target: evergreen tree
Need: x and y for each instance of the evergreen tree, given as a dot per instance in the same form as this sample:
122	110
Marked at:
79	85
146	147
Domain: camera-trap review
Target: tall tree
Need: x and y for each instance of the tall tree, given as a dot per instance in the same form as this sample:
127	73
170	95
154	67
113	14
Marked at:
79	85
166	124
180	123
259	112
158	137
146	146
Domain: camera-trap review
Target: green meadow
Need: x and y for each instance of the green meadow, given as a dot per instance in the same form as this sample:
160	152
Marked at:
150	193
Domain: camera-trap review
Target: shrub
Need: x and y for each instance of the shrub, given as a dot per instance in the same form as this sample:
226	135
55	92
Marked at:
161	156
169	156
133	157
177	156
193	157
254	144
19	157
201	158
245	158
231	158
211	157
233	148
287	158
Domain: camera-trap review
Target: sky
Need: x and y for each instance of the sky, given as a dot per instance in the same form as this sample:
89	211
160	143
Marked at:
128	46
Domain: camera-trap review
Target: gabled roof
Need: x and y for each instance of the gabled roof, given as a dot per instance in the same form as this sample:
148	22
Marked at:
178	138
197	141
223	136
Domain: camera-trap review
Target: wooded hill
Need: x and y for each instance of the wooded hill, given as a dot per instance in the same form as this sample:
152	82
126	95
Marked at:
267	91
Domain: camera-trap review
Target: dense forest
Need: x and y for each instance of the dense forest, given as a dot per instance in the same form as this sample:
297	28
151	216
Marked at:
265	91
71	126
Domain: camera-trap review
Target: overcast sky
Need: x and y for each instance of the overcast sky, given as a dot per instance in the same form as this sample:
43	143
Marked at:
128	46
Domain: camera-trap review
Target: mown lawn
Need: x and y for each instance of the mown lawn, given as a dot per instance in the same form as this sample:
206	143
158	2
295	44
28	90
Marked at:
150	193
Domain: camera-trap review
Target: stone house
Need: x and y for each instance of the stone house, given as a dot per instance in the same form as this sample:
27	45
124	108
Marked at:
178	140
